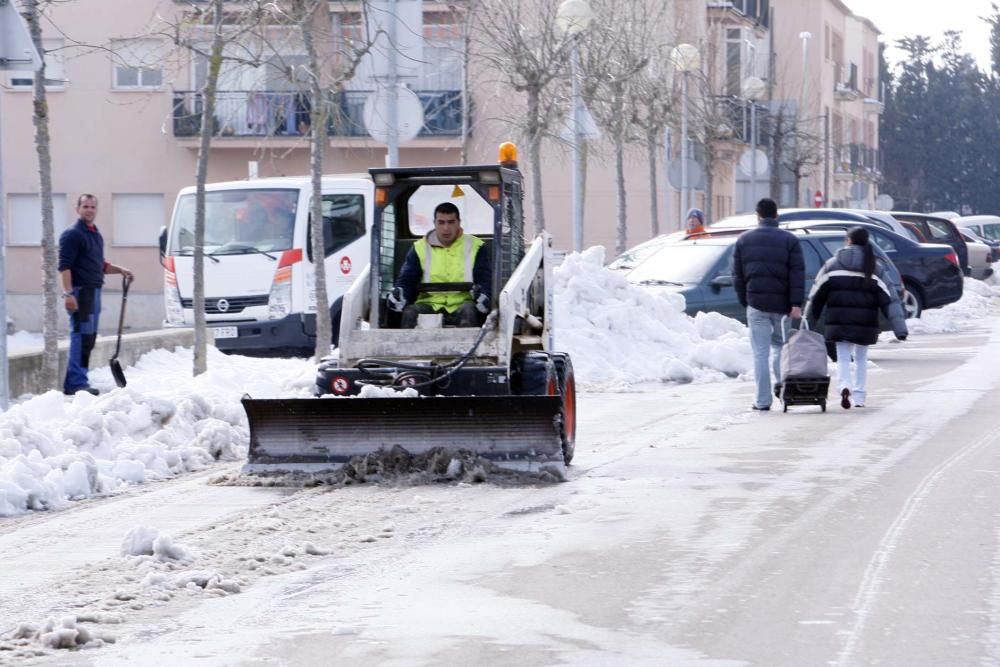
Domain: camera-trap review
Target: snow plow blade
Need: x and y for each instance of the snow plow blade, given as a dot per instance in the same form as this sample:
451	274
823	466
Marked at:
321	434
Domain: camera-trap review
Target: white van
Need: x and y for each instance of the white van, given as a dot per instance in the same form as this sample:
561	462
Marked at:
259	277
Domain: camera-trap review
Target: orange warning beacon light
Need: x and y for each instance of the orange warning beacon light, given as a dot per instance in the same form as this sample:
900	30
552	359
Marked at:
508	155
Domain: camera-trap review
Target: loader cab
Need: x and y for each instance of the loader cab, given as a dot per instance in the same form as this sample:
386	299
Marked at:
489	198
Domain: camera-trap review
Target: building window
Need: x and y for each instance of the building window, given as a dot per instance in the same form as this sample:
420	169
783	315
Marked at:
443	52
136	219
24	212
138	63
55	71
734	62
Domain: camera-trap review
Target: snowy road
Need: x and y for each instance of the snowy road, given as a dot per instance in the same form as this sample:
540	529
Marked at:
692	532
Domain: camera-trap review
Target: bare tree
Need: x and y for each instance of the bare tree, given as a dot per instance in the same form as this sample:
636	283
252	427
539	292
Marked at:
626	40
325	76
228	25
655	106
50	255
796	147
711	124
519	42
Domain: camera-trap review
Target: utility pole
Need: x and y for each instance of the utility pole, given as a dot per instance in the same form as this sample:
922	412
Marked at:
17	51
826	157
392	98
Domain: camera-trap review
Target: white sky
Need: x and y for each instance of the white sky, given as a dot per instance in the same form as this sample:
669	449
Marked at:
902	18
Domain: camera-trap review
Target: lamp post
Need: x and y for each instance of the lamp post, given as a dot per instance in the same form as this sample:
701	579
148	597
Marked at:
753	90
805	37
572	18
685	59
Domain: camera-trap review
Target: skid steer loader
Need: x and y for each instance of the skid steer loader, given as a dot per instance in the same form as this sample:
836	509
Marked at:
499	391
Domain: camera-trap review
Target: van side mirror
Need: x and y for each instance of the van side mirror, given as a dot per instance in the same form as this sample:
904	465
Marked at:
163	243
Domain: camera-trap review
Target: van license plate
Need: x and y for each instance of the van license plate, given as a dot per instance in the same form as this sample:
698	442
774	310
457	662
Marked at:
224	332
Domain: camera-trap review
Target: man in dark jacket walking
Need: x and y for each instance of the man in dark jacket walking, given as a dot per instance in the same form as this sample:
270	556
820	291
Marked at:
769	278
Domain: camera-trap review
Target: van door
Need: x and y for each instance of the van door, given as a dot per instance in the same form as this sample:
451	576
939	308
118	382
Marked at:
346	239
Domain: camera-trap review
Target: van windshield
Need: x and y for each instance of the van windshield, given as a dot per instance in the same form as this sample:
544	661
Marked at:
237	222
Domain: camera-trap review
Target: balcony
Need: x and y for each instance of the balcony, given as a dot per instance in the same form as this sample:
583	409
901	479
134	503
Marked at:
857	160
756	11
258	114
845	83
735	113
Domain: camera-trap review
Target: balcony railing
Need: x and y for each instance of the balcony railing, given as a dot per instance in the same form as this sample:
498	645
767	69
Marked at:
735	112
857	159
756	10
252	113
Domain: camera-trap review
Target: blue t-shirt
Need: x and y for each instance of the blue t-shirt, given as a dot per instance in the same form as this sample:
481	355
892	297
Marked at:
81	250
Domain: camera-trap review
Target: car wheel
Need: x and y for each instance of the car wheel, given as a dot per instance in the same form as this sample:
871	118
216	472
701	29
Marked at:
913	304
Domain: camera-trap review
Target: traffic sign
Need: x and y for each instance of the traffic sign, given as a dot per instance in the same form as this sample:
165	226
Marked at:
818	199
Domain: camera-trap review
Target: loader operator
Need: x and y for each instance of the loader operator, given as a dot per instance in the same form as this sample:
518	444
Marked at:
445	255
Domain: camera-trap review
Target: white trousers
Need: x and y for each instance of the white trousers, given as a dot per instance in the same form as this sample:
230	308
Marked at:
856	382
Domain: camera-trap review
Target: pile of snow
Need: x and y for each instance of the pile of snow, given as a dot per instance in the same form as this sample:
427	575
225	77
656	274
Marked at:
617	332
977	300
24	341
142	541
54	448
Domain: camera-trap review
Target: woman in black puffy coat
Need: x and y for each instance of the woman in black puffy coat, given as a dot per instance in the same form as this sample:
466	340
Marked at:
852	288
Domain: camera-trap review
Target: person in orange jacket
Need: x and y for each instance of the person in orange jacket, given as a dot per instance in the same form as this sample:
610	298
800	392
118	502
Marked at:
695	223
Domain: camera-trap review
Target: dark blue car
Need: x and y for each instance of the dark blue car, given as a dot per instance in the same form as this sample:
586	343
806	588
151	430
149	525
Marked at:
700	268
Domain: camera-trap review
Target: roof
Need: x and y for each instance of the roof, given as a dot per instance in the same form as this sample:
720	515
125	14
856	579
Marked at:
285	182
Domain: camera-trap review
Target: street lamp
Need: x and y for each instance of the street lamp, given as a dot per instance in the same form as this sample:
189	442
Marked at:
685	59
753	90
572	18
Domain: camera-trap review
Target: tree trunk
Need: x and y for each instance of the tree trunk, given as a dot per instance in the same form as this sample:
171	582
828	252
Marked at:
324	327
654	208
709	190
50	255
621	227
777	151
201	175
534	127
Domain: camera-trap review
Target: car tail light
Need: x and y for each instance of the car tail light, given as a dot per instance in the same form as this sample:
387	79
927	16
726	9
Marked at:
952	257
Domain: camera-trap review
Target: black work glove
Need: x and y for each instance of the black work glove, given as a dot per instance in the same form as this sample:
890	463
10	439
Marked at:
396	300
481	299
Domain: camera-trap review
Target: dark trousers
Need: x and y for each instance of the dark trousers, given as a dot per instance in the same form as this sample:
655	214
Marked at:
465	316
82	335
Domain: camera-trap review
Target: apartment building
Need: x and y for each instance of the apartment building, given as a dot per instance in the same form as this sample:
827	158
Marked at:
826	69
125	115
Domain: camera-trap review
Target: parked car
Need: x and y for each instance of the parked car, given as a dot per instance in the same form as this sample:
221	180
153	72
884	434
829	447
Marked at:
880	218
980	255
987	226
700	269
938	230
929	271
992	243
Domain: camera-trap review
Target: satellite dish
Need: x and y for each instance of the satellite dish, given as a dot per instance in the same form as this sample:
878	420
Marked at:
747	162
409	115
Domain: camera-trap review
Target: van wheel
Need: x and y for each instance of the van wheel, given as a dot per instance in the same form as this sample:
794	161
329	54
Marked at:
913	302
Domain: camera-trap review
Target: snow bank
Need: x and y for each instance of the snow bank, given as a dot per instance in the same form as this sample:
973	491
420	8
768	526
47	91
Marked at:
618	332
977	300
54	448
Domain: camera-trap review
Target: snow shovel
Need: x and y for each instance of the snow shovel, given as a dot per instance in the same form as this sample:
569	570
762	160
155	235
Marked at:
116	367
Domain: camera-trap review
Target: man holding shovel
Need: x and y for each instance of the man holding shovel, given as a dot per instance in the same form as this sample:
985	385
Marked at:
81	272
